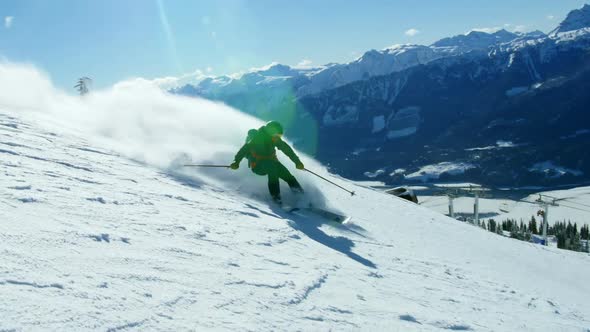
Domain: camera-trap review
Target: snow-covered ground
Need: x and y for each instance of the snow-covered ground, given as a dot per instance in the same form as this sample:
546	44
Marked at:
551	170
374	174
433	172
100	229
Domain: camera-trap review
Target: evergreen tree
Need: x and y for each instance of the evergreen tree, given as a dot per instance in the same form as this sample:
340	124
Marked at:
567	234
533	226
576	243
492	225
561	240
499	229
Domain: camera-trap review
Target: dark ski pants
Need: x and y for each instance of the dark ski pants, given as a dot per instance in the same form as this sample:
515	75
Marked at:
275	171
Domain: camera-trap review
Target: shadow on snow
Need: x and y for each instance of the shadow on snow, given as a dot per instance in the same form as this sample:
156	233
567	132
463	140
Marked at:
311	228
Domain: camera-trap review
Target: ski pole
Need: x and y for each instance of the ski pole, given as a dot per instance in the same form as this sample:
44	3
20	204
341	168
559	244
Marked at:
323	178
212	166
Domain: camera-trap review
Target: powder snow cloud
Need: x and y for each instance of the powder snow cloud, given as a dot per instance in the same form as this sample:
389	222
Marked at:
137	119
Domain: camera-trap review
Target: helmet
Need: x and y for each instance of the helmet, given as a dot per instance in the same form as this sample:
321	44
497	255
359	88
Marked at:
273	128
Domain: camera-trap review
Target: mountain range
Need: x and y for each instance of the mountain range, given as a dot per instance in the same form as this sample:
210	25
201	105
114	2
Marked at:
498	108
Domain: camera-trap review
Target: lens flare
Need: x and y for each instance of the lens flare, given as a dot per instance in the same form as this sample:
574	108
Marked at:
169	36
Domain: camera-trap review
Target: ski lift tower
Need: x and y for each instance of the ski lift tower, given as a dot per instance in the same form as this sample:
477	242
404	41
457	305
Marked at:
452	194
83	85
544	201
478	191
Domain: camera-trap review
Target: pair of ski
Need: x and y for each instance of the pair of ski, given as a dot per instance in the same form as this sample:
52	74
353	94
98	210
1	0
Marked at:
316	212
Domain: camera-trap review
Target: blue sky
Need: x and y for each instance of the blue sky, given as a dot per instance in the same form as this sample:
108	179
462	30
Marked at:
113	40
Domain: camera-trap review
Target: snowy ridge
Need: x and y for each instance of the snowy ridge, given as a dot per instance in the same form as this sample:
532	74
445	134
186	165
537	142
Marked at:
95	235
474	44
476	40
372	63
575	20
314	80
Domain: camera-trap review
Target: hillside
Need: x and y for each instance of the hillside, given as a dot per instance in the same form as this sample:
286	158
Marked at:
101	229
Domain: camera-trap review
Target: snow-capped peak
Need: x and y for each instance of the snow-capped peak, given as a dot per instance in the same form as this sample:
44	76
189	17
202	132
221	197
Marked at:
476	40
575	20
278	69
503	34
371	54
401	48
532	34
220	80
308	80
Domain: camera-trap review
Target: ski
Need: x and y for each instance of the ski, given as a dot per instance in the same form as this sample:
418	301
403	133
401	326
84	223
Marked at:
321	213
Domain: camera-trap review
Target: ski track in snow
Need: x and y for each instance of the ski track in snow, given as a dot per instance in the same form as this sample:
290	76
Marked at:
91	240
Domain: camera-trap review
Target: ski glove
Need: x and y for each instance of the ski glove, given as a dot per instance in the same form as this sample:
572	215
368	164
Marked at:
234	165
299	165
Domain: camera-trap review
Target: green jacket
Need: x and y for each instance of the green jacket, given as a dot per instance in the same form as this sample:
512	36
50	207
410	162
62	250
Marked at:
260	146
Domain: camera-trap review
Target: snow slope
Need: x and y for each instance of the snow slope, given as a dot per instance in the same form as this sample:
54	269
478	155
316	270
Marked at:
572	205
100	229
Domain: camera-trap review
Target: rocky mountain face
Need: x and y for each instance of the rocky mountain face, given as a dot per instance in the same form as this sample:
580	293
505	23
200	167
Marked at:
575	20
504	113
511	108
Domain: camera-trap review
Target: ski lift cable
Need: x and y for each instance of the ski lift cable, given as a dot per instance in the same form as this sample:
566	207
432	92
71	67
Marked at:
568	199
523	201
572	202
537	203
549	196
575	208
566	206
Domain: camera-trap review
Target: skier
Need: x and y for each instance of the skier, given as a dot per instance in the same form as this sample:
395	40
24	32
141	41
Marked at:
260	151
